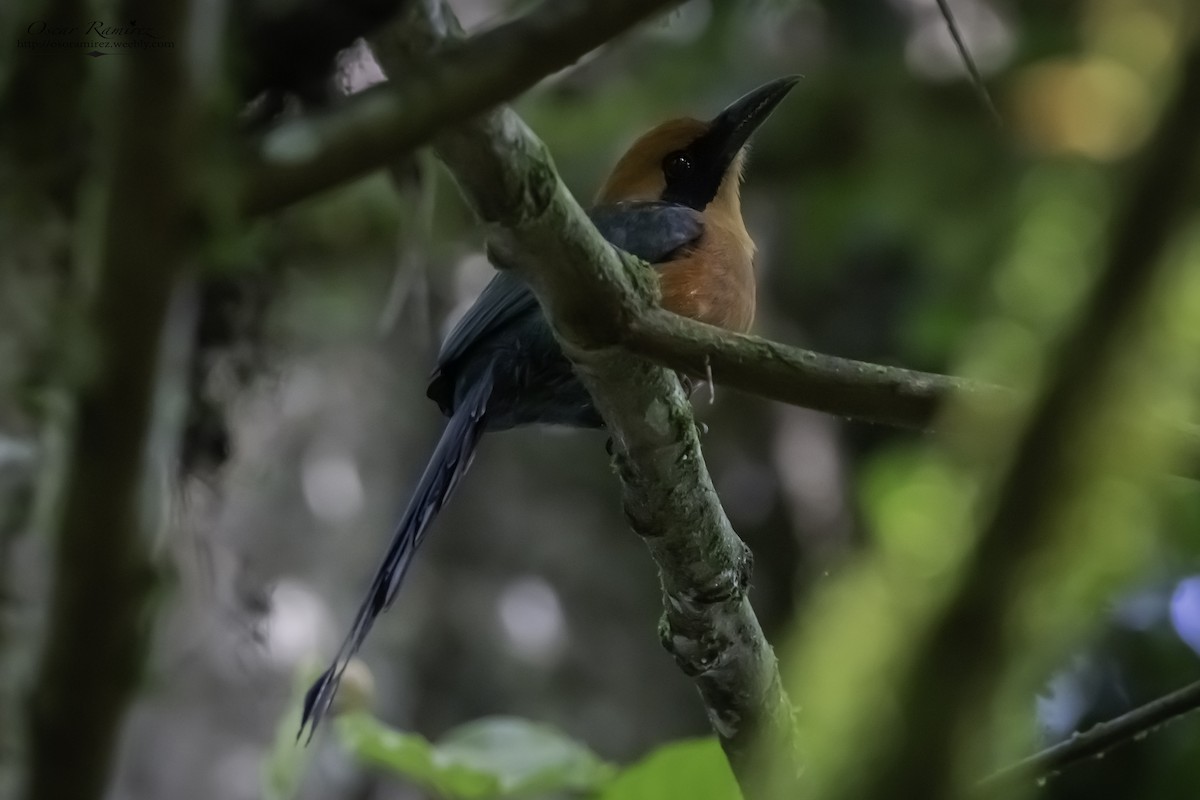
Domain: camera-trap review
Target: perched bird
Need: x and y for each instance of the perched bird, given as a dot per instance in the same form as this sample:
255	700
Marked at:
672	200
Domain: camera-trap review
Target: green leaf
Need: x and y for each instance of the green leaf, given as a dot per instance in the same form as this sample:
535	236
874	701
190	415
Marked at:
286	763
489	758
694	768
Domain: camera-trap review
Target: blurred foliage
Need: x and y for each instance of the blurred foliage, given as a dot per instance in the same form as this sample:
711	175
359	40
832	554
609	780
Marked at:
493	757
499	757
695	768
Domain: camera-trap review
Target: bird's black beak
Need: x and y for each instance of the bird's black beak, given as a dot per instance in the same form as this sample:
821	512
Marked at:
694	174
731	129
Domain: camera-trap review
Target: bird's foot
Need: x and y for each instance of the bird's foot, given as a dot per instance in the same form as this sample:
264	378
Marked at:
691	385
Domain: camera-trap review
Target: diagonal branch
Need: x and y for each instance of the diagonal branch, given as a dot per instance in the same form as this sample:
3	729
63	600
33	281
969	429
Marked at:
895	396
886	395
303	157
1098	739
968	60
708	624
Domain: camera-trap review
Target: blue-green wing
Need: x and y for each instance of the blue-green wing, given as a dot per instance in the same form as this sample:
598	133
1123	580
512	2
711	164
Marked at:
651	231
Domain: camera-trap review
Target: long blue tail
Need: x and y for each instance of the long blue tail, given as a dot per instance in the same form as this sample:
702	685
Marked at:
449	463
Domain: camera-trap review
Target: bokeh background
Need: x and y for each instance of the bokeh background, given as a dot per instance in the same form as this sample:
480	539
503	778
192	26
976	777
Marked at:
886	203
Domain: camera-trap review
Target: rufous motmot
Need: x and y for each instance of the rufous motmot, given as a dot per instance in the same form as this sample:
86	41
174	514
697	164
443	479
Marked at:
673	200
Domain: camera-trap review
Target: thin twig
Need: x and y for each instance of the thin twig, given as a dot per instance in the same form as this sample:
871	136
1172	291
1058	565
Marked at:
981	89
1099	739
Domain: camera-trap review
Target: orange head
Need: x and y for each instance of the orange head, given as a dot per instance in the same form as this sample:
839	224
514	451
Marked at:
691	162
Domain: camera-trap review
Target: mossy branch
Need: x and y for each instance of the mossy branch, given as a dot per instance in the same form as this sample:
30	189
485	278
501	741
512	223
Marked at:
303	157
590	294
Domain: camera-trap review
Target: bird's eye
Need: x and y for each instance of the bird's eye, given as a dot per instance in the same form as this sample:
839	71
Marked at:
676	166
